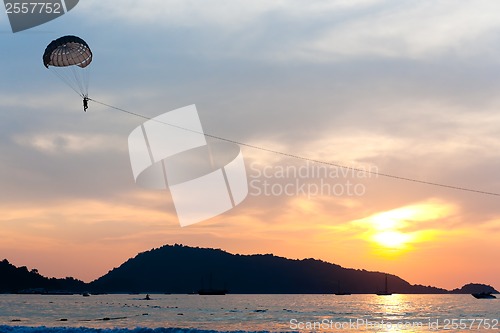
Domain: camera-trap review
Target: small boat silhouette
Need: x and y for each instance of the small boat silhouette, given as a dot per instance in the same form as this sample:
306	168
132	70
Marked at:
210	290
386	290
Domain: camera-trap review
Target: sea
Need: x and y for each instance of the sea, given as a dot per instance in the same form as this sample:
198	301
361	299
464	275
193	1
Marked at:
114	313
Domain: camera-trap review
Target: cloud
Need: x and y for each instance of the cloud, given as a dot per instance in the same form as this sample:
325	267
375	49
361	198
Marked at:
64	143
322	31
413	30
217	12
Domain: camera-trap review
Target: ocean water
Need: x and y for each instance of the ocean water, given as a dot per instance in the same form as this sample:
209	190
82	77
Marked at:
247	313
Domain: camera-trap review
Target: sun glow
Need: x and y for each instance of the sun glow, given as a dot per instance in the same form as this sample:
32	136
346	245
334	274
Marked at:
392	239
395	230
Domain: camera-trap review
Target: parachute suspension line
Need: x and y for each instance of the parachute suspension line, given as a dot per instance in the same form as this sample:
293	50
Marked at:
78	76
303	158
86	80
65	80
77	80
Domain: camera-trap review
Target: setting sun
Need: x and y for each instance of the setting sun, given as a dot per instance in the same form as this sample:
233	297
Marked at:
392	231
392	239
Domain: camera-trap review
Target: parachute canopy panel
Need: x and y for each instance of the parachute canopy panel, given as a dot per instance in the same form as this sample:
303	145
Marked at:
67	51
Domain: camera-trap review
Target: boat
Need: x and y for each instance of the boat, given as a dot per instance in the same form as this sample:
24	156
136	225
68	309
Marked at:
210	290
85	294
484	295
386	290
59	292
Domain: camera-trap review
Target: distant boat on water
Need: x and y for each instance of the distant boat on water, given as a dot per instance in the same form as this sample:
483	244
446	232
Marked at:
210	290
484	295
58	292
85	294
386	290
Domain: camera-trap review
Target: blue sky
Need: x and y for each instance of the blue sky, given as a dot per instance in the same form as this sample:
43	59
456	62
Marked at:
410	87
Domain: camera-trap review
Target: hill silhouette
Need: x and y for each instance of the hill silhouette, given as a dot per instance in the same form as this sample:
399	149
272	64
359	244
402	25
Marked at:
184	269
472	288
19	279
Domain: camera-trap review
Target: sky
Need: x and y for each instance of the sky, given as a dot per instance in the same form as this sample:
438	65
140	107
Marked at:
405	88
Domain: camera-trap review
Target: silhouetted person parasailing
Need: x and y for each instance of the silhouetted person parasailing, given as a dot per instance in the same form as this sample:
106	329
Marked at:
85	103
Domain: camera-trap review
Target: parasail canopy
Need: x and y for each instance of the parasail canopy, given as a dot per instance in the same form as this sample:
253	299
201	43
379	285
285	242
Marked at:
67	51
68	57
